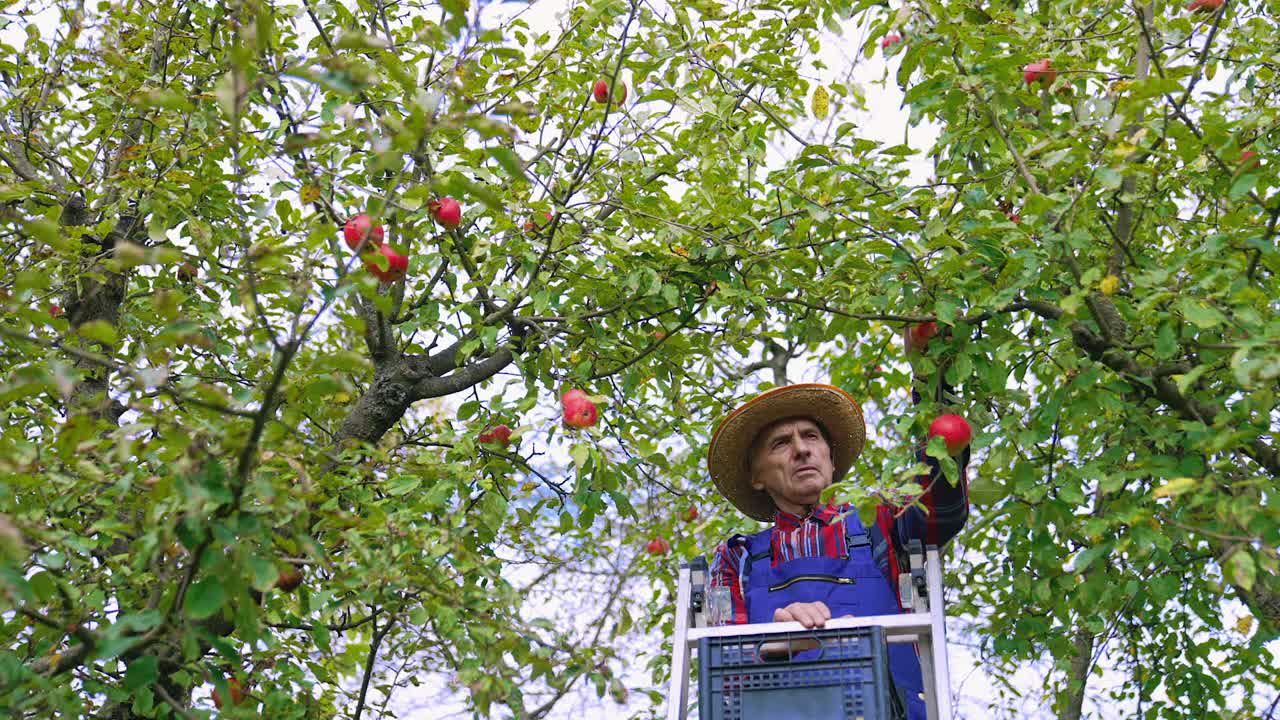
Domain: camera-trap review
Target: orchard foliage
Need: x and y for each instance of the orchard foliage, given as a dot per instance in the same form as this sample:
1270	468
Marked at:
227	398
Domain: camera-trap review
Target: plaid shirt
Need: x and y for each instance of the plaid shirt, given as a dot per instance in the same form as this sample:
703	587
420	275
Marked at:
822	532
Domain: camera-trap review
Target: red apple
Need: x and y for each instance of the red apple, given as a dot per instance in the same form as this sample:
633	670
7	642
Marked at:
359	230
1040	72
601	92
1014	218
691	514
1204	5
658	546
236	692
397	265
917	337
1249	160
500	435
446	211
289	579
55	310
953	429
890	40
579	411
187	272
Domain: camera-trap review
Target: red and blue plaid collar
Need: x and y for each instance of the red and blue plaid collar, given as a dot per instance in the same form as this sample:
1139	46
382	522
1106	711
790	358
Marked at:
823	515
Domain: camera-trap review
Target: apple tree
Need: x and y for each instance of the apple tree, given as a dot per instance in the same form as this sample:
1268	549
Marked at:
246	453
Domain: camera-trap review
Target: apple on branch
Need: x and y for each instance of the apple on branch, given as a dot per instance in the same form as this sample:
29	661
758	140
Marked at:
360	230
289	579
446	211
954	431
890	40
1039	72
234	689
579	411
916	337
397	264
1204	6
500	435
601	92
658	546
691	514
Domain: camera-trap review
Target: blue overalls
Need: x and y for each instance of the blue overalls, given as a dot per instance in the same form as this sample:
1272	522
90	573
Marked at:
852	585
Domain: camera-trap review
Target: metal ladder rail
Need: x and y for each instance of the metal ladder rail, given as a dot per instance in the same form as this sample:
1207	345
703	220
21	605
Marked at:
926	626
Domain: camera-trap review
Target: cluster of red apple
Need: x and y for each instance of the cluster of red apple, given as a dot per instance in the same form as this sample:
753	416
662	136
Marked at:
1042	72
530	225
890	40
659	545
953	429
578	412
364	237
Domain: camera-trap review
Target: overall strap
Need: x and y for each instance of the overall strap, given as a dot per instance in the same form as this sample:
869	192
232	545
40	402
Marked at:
857	540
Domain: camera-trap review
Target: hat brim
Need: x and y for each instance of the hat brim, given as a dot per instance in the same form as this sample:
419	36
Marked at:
829	406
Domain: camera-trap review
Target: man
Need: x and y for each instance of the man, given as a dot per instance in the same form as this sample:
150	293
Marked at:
772	457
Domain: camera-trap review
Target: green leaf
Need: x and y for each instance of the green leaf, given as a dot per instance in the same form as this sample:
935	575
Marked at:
1109	178
510	163
1089	555
204	598
48	232
263	572
142	672
1200	314
99	330
1242	569
1242	185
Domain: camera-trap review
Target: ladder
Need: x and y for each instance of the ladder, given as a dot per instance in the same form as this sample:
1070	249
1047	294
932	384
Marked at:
920	588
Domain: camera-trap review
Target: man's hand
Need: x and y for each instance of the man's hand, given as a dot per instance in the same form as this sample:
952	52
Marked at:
811	614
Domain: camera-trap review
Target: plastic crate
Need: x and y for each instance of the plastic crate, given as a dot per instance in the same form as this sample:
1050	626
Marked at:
846	678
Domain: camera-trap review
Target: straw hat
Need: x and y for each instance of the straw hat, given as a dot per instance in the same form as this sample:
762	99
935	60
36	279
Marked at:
829	406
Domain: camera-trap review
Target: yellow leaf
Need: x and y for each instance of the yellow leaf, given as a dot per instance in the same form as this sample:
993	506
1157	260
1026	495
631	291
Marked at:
1176	486
679	250
821	103
310	193
1109	284
715	50
1244	624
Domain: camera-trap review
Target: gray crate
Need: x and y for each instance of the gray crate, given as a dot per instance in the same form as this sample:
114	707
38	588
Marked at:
845	678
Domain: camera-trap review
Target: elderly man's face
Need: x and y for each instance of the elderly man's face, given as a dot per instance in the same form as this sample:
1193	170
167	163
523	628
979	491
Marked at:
791	461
